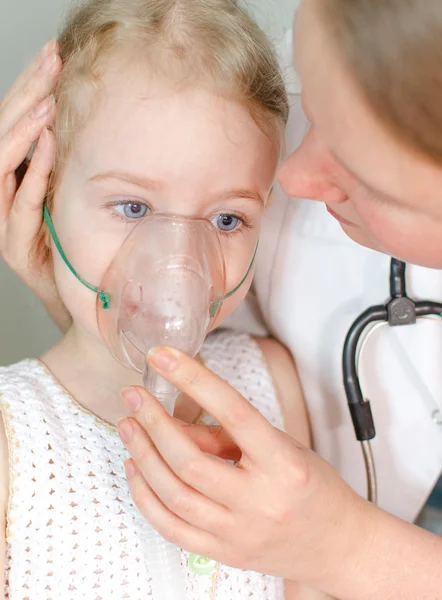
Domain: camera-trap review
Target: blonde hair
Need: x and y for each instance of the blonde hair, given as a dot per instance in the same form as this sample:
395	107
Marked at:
212	41
393	49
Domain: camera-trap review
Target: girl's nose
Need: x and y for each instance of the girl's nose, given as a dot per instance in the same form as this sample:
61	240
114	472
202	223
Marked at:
312	172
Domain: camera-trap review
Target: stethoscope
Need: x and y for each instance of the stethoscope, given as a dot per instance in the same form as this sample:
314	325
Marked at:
400	309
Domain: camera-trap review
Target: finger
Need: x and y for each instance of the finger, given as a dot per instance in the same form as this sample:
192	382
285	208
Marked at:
34	187
179	498
247	427
25	218
27	97
30	69
168	525
14	148
213	439
208	475
15	145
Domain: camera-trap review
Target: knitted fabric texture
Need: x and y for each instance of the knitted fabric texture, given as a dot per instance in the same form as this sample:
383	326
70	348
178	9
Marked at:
73	530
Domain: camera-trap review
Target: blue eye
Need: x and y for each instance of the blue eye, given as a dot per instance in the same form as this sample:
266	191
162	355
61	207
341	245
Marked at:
132	210
225	222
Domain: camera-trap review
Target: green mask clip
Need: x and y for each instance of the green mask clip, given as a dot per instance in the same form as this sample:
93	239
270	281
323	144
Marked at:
105	298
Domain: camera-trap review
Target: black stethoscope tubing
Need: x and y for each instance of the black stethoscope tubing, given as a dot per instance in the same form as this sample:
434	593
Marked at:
399	309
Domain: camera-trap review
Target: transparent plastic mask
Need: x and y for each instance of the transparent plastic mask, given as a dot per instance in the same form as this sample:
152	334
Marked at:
164	286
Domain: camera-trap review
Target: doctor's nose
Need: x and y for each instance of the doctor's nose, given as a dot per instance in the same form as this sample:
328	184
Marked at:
312	172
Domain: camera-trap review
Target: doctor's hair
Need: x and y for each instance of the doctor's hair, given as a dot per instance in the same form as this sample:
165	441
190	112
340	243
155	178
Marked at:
213	43
393	50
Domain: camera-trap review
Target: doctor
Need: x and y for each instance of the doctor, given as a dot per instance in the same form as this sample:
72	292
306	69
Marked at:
311	281
376	162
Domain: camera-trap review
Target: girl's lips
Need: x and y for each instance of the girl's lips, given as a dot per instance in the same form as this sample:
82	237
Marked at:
339	218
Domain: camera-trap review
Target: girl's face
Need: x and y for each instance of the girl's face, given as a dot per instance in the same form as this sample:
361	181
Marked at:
385	196
152	148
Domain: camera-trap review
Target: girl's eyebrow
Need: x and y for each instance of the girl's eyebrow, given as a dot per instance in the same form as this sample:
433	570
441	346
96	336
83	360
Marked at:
151	184
144	182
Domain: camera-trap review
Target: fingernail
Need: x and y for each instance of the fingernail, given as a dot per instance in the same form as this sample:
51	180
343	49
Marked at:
132	399
163	359
130	468
125	430
43	108
48	63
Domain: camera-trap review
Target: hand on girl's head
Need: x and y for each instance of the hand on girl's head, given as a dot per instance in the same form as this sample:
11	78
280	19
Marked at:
26	112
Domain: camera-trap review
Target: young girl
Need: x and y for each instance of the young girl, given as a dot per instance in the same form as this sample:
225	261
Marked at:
164	106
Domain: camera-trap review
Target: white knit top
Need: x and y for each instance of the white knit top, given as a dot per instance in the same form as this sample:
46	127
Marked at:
73	531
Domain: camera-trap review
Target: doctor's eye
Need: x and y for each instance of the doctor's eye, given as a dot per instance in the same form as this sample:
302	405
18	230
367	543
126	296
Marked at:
225	222
132	210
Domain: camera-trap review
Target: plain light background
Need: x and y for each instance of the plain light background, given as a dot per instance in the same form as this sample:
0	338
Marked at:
25	25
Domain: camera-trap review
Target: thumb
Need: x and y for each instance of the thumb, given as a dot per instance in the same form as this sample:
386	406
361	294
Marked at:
26	214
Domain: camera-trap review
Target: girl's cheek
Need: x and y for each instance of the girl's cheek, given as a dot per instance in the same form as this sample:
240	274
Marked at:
231	304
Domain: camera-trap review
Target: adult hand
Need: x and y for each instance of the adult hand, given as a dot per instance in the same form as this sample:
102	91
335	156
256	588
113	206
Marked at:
281	510
26	112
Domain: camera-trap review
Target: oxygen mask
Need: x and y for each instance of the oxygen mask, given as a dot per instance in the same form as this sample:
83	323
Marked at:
164	287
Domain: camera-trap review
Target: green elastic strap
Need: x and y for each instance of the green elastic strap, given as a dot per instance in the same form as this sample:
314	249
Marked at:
104	296
217	302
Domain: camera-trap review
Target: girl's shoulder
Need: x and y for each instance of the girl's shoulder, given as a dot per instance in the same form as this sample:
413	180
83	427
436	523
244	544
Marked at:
12	384
254	367
22	389
285	377
238	359
4	492
20	375
4	471
243	356
17	382
21	368
264	372
21	385
24	381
